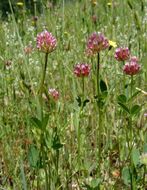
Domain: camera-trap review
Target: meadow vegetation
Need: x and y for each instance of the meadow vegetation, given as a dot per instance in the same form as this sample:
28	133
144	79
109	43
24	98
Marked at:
73	96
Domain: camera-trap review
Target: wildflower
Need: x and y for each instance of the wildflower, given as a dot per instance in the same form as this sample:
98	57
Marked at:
134	59
109	4
145	115
122	54
112	4
132	67
112	44
20	4
82	70
54	93
46	42
97	42
143	159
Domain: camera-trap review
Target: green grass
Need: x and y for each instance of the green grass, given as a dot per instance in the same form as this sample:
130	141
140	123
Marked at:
56	145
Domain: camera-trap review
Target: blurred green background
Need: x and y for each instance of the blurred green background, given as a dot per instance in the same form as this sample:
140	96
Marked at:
29	4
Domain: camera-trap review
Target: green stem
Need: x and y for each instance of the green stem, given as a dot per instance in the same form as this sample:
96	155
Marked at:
46	178
144	175
98	74
35	16
44	74
133	185
71	154
41	87
43	153
79	139
56	160
131	130
57	169
131	85
80	116
99	130
35	8
49	175
38	180
83	87
124	79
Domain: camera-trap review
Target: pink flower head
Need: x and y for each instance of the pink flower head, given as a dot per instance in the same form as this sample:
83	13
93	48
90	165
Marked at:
134	59
132	67
54	93
97	42
122	54
82	70
46	42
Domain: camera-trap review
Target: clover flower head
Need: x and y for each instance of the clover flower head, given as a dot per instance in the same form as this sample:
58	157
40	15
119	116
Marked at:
46	42
54	93
132	67
97	42
122	54
82	70
134	59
